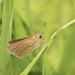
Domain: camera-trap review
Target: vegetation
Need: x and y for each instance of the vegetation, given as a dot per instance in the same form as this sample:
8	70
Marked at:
20	18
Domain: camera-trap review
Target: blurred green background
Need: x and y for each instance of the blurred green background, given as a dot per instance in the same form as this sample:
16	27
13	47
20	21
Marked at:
29	17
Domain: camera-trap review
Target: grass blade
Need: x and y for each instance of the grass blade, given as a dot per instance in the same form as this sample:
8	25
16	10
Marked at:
5	36
26	71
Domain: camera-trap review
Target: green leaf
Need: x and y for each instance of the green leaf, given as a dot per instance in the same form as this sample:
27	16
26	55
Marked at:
5	36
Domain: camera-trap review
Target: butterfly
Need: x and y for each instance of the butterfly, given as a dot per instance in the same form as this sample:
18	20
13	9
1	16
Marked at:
22	47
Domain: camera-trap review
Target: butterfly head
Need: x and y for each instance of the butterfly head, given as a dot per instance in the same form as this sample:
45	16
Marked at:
40	37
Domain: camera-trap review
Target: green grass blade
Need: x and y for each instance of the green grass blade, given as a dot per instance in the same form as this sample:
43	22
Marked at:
5	36
26	71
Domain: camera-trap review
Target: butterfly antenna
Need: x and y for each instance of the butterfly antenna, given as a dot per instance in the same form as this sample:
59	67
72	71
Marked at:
43	27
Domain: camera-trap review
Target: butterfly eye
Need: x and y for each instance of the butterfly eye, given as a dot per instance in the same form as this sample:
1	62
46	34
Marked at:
40	36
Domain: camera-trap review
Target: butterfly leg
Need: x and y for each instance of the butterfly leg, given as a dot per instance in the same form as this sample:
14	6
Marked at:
36	52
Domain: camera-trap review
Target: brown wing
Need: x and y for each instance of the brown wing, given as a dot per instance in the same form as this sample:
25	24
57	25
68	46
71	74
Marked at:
24	49
17	40
21	47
